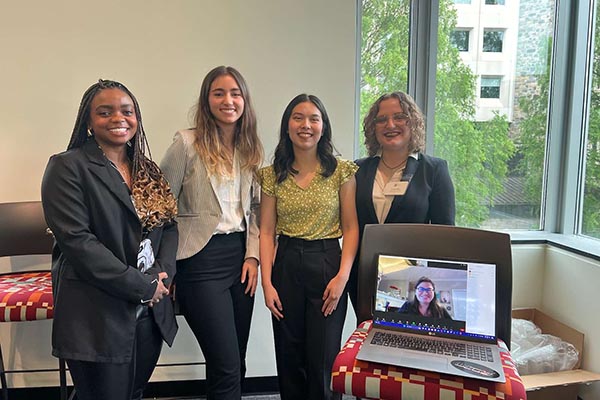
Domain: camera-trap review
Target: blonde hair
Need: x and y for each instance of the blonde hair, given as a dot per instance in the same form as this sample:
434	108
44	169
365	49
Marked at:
209	144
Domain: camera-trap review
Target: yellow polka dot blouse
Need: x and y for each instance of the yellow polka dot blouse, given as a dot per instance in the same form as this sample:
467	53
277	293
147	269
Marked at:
311	213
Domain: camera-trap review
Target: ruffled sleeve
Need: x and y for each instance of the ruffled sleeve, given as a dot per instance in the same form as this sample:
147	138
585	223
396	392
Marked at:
345	170
266	177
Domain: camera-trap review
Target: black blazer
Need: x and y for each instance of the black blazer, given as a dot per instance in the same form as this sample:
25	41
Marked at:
96	283
429	197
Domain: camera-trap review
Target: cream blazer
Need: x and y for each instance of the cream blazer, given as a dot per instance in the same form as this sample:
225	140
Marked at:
199	211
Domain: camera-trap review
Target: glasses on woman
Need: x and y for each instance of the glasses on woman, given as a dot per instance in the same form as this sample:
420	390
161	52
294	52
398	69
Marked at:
398	118
424	290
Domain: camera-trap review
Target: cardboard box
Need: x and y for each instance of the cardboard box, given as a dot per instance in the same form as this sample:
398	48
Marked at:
562	385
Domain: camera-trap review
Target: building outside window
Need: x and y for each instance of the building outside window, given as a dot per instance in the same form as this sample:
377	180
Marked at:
492	40
495	149
495	2
460	39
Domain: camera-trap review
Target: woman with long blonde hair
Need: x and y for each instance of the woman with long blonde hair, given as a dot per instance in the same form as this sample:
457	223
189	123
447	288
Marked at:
212	171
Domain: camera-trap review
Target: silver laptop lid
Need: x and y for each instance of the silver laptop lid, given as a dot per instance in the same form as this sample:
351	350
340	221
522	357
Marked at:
448	298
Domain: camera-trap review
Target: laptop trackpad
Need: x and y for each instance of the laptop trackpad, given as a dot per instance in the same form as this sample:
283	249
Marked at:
430	362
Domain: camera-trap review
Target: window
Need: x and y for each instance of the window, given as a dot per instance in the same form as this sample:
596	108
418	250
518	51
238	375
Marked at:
383	53
497	161
490	87
590	214
506	156
492	40
460	40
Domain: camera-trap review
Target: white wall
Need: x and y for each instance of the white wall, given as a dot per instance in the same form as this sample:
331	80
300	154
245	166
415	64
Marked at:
564	285
53	51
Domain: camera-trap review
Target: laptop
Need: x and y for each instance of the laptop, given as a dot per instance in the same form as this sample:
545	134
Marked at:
435	315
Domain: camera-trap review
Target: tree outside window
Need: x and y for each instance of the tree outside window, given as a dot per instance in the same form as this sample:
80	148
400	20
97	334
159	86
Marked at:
486	157
492	40
495	2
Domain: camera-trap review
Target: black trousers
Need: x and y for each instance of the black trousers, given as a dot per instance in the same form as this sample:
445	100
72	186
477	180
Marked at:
101	381
213	302
306	342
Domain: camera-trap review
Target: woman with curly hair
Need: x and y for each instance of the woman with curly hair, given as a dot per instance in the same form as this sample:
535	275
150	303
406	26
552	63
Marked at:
112	215
212	170
397	183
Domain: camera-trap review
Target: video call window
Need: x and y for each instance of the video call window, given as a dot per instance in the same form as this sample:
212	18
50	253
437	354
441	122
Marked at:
397	287
452	295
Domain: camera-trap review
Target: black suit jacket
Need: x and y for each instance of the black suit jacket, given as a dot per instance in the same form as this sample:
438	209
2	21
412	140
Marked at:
96	283
429	197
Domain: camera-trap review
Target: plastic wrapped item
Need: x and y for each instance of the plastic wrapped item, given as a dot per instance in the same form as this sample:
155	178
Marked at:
536	353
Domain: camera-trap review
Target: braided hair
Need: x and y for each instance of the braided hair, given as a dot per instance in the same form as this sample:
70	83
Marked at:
154	202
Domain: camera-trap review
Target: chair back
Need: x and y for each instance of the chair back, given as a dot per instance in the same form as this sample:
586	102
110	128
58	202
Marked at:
23	229
436	241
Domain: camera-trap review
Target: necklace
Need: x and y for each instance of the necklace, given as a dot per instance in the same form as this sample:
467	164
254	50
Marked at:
402	164
124	171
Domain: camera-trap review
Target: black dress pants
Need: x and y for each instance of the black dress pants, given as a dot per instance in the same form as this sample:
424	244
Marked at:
306	342
212	300
127	381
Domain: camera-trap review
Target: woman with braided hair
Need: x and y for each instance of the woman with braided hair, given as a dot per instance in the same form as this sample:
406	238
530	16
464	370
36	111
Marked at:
112	215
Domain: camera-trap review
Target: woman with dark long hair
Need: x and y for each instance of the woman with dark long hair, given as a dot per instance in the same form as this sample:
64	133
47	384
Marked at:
308	201
425	302
212	171
112	216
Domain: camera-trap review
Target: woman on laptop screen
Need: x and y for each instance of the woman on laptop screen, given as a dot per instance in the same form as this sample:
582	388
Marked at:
425	301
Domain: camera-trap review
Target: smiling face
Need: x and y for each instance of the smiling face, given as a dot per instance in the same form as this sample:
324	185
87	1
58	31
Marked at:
225	101
392	126
425	293
305	126
112	118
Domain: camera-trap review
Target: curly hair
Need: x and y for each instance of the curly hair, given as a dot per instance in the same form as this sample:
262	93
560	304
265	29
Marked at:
154	202
209	143
416	121
284	152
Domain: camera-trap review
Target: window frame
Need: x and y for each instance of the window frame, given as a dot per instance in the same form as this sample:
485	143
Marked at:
490	77
468	33
560	218
493	30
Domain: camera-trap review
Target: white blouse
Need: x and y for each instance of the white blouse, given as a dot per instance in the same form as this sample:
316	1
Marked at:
227	188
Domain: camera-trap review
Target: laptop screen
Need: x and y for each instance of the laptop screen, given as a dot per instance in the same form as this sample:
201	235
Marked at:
436	297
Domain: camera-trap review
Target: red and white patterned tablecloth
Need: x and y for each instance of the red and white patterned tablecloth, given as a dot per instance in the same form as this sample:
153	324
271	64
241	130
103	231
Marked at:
380	381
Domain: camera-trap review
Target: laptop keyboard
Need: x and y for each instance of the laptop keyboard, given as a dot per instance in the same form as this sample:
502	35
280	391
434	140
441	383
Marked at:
463	350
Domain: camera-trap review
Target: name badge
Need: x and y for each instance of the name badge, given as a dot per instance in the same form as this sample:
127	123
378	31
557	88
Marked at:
395	188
